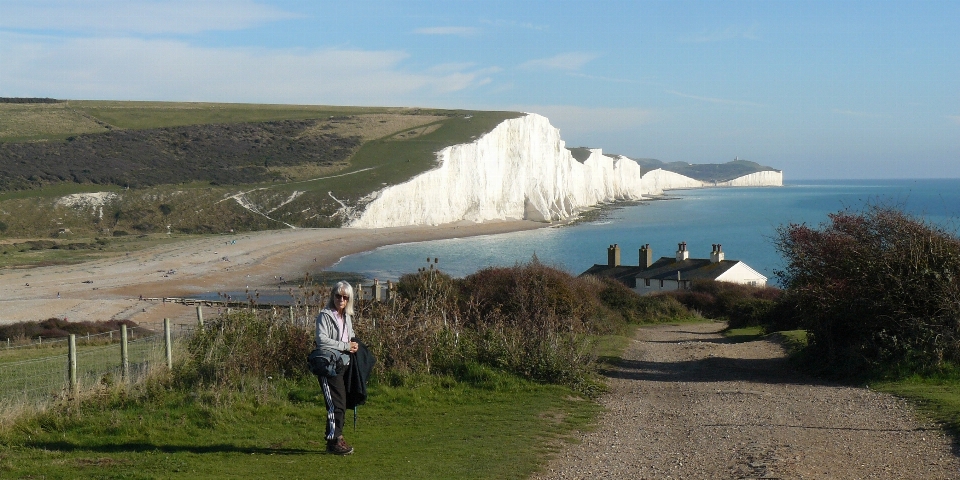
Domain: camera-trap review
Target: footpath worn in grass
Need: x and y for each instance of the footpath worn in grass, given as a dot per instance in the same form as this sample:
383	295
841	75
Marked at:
500	427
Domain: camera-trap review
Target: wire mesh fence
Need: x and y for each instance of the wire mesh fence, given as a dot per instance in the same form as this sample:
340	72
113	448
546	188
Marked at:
38	371
40	374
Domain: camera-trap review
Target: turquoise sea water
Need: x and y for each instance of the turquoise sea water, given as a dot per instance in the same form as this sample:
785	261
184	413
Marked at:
743	220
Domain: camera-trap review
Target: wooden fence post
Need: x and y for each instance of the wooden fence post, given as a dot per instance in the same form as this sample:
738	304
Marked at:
293	319
166	343
124	357
72	363
199	315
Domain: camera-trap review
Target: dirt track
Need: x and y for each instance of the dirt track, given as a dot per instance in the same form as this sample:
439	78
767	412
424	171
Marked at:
687	404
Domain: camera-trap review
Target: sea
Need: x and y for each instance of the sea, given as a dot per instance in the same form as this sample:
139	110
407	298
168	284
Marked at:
744	220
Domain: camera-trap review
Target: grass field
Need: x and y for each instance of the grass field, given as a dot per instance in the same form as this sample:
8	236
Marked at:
19	255
496	427
56	121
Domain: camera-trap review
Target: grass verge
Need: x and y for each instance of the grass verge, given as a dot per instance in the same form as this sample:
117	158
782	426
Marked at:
744	334
496	426
935	398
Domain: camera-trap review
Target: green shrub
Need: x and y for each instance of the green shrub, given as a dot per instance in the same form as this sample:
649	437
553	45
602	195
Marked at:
245	345
876	289
751	312
740	305
635	309
530	319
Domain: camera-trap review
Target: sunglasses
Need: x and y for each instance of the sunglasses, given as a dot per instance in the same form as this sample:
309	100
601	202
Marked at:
341	297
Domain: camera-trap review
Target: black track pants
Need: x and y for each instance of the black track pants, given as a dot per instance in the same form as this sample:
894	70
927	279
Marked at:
335	394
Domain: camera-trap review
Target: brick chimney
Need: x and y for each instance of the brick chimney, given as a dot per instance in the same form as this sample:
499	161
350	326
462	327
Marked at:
716	255
682	253
613	255
646	256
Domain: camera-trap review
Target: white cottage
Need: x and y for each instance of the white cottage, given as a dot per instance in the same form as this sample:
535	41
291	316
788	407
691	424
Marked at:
677	272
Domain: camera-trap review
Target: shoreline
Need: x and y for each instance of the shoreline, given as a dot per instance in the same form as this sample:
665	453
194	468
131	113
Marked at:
110	288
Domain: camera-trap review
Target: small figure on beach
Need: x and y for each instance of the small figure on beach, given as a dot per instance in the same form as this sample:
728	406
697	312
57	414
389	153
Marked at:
58	295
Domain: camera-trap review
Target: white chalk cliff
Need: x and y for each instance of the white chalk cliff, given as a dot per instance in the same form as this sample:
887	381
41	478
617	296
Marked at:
757	179
521	170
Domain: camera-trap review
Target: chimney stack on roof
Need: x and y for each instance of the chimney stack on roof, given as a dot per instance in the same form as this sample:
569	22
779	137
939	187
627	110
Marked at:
716	255
682	253
646	256
613	255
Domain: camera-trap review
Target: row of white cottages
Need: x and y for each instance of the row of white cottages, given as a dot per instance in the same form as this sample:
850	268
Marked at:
674	273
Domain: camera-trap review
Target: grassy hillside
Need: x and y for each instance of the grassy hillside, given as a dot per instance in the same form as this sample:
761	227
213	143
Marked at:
208	168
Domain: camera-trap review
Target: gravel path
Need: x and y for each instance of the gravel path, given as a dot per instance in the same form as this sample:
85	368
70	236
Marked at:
686	404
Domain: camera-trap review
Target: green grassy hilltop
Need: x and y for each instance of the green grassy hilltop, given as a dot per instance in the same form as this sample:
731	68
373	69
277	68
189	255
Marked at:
86	168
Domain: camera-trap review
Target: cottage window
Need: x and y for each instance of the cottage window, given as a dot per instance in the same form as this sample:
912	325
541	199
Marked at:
646	282
661	283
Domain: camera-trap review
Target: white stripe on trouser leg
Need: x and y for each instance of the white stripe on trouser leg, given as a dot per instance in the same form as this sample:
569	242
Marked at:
331	418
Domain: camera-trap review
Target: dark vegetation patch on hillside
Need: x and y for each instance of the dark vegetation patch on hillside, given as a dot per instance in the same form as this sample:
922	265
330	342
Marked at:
29	100
217	153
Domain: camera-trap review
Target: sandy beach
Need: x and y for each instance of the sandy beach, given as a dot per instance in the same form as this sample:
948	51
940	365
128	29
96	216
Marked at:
111	288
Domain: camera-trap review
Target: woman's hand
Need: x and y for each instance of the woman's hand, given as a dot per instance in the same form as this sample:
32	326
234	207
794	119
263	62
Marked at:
354	347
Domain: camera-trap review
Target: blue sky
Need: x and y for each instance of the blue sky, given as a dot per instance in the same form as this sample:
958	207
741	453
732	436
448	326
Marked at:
856	89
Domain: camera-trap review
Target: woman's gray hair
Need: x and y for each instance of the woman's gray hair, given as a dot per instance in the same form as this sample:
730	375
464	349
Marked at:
343	288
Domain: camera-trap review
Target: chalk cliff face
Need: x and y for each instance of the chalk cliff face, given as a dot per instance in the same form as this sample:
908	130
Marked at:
758	179
656	181
520	170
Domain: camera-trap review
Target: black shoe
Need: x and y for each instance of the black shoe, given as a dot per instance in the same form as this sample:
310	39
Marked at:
339	447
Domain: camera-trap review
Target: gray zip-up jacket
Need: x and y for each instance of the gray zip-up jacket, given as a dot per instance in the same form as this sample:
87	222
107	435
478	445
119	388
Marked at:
328	335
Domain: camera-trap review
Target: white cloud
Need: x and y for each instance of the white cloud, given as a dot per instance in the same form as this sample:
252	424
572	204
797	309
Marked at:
563	61
137	17
574	121
720	35
715	100
954	118
137	69
458	31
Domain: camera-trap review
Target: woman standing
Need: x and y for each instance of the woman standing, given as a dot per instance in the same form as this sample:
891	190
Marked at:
335	332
